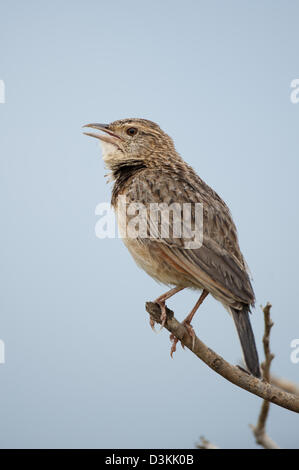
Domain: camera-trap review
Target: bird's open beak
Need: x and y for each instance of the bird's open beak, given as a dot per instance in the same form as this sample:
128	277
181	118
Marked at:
111	138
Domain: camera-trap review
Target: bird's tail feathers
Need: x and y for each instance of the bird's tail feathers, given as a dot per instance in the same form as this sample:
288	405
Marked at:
246	336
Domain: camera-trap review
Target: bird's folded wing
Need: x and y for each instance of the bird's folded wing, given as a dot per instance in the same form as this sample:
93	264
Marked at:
218	263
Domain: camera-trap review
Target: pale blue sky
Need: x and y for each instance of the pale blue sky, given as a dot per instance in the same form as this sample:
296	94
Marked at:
83	368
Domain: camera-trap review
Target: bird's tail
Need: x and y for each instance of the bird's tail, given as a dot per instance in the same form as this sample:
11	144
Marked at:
243	325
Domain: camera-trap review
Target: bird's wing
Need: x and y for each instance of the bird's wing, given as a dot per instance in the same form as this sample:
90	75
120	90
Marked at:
218	263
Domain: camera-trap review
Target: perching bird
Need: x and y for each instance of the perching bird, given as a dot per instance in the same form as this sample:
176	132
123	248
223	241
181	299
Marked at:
147	170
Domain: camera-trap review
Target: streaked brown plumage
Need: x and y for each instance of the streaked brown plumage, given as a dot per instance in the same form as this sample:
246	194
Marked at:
146	168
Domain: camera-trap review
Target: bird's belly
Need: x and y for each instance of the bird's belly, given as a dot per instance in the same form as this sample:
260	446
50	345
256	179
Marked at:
148	257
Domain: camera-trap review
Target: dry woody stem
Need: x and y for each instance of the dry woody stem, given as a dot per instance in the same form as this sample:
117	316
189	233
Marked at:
259	430
233	374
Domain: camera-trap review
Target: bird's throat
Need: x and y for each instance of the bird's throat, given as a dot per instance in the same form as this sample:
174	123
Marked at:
122	172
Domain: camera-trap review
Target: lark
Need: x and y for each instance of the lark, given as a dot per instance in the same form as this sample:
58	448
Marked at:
147	170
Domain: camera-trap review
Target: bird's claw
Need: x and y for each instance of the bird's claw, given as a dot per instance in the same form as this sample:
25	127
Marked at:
163	317
191	332
152	324
175	340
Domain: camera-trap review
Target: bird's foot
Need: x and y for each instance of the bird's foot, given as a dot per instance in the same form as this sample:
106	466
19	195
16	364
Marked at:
152	324
163	317
190	330
175	340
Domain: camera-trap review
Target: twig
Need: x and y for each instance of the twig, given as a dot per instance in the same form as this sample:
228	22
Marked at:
205	444
259	430
266	342
218	364
280	382
285	384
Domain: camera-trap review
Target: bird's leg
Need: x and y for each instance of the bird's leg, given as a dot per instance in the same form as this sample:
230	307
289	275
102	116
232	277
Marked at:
187	323
161	302
189	318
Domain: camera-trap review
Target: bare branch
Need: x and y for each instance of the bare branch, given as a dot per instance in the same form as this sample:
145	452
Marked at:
266	342
205	444
285	384
232	373
259	430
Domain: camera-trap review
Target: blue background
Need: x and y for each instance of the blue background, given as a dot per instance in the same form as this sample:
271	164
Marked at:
83	368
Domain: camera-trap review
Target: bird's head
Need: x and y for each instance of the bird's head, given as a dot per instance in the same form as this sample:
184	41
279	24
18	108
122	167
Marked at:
132	140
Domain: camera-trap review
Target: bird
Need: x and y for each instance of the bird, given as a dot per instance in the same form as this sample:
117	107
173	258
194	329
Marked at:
147	171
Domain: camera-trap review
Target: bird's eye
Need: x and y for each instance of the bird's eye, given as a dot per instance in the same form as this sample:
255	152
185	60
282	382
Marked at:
132	131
